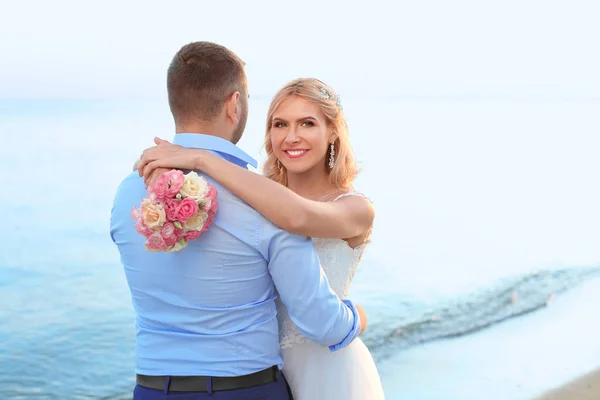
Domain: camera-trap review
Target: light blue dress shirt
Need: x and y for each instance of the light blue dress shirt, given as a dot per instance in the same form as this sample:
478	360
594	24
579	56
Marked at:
209	309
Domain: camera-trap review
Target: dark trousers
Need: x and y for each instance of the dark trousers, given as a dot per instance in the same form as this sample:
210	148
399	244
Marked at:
277	390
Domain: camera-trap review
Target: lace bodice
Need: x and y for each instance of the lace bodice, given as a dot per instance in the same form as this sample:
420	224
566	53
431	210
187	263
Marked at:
339	261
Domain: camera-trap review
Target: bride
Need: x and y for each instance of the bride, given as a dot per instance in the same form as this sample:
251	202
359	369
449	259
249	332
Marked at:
306	189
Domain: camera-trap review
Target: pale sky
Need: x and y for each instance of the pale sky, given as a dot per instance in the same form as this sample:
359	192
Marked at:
117	49
535	201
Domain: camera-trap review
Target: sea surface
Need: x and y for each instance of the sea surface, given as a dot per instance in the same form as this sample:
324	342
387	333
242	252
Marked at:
486	230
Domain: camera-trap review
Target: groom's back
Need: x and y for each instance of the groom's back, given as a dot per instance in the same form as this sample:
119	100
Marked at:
208	309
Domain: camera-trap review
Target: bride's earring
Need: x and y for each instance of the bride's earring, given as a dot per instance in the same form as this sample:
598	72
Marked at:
278	164
331	156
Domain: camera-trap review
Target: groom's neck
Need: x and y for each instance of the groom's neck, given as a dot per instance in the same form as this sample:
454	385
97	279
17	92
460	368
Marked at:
205	128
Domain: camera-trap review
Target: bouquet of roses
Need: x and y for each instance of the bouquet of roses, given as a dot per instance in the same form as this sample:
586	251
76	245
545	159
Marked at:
178	209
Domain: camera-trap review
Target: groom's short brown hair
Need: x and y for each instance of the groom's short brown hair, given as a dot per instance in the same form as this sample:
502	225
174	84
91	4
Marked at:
201	77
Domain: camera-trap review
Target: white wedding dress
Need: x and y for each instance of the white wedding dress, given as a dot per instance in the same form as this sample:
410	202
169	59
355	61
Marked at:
312	371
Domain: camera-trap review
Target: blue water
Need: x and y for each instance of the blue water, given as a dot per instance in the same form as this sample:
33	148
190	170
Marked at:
486	211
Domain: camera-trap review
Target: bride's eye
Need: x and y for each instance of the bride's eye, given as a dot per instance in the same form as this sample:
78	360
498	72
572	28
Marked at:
308	124
278	124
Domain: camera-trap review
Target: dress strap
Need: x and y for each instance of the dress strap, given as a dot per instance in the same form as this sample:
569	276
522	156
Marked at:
346	194
350	194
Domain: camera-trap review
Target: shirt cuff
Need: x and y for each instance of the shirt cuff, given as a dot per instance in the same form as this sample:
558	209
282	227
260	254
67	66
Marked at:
354	332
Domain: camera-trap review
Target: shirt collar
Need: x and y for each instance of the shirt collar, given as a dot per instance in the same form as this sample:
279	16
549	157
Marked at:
214	143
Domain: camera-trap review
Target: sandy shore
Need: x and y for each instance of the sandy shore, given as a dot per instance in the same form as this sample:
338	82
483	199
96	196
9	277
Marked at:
586	387
545	355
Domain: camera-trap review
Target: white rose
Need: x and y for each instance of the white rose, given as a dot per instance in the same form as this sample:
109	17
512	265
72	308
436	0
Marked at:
196	222
194	186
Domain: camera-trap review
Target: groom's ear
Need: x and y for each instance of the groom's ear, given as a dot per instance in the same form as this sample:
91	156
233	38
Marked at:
233	108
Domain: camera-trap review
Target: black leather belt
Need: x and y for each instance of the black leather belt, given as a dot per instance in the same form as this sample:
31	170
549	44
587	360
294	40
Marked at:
208	384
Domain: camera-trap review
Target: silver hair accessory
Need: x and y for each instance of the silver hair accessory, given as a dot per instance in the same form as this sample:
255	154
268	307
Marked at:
331	156
326	95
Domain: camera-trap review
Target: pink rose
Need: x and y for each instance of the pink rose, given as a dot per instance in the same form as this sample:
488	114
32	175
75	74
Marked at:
167	185
212	193
168	234
211	198
142	229
192	235
179	233
171	208
140	226
136	213
168	230
156	243
210	219
180	244
170	242
187	209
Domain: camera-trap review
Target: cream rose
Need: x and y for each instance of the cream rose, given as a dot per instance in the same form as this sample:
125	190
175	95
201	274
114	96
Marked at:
153	215
196	222
194	187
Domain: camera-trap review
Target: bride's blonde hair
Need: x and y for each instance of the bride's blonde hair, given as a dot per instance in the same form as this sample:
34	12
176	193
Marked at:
344	170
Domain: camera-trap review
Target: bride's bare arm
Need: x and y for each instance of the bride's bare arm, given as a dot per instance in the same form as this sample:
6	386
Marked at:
349	217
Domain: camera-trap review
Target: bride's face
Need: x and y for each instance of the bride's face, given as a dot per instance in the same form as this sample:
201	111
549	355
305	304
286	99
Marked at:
299	135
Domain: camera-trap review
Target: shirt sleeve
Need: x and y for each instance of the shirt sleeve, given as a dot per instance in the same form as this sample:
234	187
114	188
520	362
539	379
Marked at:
316	310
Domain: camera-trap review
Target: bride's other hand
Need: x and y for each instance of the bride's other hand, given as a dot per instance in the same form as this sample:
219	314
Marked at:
165	156
363	318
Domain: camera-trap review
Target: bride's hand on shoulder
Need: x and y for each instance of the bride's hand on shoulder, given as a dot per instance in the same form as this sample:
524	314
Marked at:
166	156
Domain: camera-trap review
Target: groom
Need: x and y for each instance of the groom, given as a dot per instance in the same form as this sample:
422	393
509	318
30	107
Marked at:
205	316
